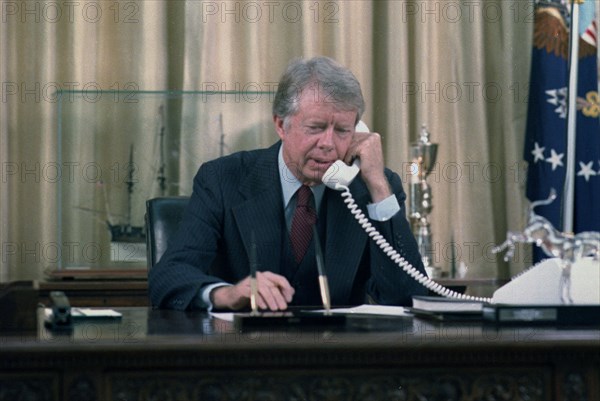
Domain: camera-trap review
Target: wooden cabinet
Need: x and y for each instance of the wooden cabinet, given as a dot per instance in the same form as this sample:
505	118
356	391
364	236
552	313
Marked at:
105	293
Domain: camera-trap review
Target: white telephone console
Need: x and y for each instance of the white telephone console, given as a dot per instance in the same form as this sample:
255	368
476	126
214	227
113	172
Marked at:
339	176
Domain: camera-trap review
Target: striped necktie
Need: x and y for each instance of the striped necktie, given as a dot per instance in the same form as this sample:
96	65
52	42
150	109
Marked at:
304	218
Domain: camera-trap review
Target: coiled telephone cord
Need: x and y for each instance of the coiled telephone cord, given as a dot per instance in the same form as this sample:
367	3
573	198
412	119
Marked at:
396	257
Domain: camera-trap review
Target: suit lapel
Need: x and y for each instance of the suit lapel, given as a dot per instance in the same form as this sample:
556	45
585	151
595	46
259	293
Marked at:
344	244
262	211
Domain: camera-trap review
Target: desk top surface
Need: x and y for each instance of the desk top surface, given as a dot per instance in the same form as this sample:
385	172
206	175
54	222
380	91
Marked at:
145	327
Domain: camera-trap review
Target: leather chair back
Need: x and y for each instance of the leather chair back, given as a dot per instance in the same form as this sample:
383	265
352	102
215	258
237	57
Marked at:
163	216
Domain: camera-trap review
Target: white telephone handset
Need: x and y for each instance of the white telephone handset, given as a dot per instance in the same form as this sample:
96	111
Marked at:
339	176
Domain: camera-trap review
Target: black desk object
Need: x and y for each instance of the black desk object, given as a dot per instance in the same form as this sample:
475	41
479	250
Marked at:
18	304
247	322
169	355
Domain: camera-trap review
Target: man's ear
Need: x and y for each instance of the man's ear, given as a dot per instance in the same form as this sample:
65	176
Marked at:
279	126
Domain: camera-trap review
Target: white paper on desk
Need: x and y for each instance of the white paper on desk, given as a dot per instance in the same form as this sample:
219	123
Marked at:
381	310
227	316
375	310
86	312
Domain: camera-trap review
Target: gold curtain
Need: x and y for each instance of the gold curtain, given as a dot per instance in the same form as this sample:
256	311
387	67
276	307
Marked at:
460	67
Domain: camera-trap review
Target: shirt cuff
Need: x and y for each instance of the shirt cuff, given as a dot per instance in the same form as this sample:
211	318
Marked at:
385	209
204	299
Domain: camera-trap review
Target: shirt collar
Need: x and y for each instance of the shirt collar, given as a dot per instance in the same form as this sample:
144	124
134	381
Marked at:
290	184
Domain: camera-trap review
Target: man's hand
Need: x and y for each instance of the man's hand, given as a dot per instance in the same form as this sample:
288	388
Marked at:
367	147
274	293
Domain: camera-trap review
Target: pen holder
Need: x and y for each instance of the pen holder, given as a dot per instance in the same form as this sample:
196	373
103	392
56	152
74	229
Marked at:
287	319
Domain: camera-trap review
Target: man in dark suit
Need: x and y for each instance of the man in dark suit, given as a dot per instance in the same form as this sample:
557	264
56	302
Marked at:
248	202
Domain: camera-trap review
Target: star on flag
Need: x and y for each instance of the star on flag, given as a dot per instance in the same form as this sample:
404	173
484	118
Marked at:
538	152
555	159
587	170
558	98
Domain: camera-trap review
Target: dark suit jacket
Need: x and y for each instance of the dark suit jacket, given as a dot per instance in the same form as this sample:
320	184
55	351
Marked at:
241	193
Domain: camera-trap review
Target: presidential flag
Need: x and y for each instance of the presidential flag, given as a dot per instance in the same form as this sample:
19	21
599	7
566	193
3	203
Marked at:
546	137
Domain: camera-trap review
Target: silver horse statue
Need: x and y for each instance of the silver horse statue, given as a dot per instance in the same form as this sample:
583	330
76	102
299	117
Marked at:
567	247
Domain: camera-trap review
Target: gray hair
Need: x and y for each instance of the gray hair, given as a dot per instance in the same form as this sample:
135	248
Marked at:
333	81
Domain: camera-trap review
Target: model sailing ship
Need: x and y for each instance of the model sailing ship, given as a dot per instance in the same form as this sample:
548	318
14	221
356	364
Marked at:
127	232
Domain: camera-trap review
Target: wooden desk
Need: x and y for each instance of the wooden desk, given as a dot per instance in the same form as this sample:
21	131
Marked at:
168	355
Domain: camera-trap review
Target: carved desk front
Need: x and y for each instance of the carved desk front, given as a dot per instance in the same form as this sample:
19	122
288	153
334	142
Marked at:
167	355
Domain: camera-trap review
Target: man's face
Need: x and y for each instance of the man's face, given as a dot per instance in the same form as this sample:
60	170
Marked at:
315	137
